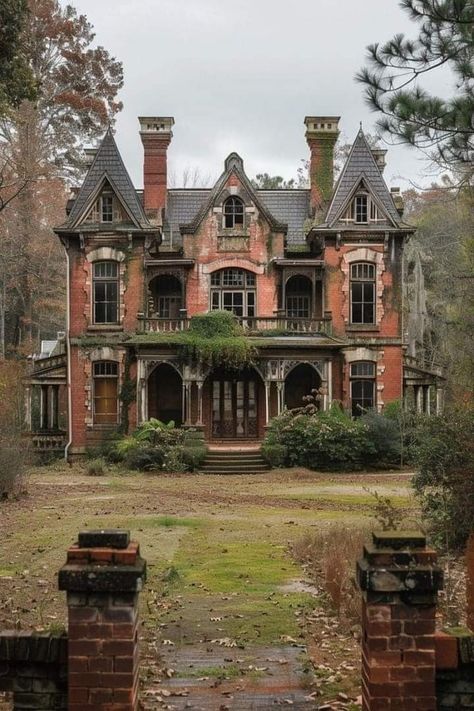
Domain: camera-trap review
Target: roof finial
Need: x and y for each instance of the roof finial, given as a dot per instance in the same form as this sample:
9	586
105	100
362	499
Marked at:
361	125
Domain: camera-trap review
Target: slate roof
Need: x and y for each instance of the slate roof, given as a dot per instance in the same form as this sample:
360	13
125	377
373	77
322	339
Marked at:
287	206
360	165
290	206
108	165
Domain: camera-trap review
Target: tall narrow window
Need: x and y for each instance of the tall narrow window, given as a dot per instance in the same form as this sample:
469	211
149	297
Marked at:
362	293
361	204
362	387
233	212
105	292
105	393
107	208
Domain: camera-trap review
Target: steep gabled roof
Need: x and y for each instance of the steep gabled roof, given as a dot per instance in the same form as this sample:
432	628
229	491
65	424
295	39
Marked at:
361	166
108	166
233	164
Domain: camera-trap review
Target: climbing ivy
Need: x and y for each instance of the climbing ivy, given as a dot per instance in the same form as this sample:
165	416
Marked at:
127	392
214	339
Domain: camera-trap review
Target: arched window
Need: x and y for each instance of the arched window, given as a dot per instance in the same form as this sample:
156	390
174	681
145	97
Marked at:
105	287
105	388
362	292
299	290
233	290
362	378
233	212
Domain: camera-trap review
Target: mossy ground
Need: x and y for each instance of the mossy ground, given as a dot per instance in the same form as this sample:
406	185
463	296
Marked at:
217	549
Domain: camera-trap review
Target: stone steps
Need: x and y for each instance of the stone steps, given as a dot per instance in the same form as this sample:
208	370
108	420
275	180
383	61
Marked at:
234	462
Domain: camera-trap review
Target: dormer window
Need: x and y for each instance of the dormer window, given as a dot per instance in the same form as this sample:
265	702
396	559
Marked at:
107	208
362	210
233	213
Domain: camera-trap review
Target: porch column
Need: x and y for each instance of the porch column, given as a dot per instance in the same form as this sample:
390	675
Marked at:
200	385
28	421
329	381
267	401
187	401
426	399
44	407
55	407
142	392
439	400
281	396
419	398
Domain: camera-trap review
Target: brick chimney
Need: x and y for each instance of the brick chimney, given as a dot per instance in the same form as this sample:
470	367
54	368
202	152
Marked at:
321	135
156	135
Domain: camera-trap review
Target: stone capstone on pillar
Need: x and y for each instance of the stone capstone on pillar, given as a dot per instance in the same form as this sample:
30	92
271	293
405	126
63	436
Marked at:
399	580
102	577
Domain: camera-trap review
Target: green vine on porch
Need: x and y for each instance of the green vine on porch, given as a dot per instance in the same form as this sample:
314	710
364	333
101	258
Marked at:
127	393
214	339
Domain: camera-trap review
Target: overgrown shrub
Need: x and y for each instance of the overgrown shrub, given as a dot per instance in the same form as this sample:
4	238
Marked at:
14	449
444	481
156	446
12	466
274	454
385	438
321	440
96	467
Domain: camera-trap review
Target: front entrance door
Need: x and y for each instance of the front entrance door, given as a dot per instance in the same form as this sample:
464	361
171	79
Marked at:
234	408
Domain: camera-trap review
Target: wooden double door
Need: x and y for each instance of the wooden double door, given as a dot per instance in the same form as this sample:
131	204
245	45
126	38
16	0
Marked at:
234	406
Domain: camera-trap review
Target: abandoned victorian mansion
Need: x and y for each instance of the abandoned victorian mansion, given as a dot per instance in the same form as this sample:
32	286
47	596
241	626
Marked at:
314	277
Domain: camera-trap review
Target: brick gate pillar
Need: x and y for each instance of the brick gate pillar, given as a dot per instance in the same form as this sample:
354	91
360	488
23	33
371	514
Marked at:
399	580
102	577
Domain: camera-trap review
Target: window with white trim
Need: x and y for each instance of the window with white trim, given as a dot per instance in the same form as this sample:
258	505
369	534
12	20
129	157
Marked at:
105	291
105	390
234	290
362	289
233	213
106	209
362	210
362	380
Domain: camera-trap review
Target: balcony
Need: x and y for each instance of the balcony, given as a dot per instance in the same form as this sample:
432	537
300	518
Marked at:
253	326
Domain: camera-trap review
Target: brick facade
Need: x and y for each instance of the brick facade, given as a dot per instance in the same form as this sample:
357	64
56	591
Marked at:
285	240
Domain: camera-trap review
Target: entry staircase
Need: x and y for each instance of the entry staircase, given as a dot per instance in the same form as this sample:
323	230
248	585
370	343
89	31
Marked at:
234	461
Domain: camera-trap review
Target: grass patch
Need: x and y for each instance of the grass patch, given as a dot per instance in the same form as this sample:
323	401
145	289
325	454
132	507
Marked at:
161	521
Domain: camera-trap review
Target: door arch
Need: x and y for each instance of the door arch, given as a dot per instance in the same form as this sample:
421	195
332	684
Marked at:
165	394
299	383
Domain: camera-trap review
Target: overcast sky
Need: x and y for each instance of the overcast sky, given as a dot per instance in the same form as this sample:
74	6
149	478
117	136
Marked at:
241	76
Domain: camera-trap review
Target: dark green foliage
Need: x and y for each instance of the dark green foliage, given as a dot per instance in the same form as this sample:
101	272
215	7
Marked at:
274	454
444	482
214	339
16	78
156	446
442	126
384	435
321	440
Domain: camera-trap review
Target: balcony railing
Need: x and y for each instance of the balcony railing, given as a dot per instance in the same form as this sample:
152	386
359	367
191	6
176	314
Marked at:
44	441
422	363
270	326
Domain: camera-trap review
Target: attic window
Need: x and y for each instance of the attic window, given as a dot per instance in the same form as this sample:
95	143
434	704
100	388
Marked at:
107	208
233	212
362	210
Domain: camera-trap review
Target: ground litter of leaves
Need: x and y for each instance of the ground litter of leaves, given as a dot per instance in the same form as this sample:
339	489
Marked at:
229	619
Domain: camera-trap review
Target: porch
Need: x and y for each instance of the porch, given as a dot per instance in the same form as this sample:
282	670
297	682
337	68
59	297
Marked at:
231	407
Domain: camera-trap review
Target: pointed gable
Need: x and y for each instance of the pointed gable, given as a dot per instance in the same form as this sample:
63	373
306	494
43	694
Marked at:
233	167
108	168
361	167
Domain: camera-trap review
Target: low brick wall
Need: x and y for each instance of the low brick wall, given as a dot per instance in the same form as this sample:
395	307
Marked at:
455	670
33	667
